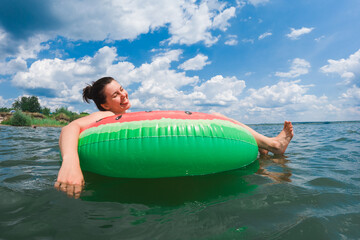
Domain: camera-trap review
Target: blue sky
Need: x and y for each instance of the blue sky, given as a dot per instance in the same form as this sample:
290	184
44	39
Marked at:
258	61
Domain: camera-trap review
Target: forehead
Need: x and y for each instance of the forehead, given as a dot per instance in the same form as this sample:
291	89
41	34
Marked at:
112	87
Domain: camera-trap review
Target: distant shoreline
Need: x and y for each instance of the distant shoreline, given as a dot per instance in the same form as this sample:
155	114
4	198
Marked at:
30	126
300	123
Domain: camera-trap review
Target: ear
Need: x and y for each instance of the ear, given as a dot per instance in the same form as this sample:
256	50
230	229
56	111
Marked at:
105	106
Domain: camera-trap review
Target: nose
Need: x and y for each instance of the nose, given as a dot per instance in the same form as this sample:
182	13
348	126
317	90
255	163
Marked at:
123	94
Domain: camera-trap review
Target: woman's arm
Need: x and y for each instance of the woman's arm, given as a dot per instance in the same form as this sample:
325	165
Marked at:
70	178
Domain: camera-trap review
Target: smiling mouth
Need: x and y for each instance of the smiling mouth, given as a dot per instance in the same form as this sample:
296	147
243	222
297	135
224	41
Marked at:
125	102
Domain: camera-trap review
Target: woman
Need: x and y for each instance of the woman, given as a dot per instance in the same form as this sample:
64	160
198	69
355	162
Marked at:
112	99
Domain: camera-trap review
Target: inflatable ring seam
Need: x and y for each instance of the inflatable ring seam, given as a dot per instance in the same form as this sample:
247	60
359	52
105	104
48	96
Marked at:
125	139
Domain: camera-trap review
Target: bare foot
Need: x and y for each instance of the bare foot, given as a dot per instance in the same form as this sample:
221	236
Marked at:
283	139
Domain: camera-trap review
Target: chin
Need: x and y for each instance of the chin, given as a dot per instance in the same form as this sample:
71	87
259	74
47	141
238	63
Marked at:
127	106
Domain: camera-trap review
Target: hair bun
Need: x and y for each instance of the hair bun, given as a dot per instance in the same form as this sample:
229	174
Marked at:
95	92
87	93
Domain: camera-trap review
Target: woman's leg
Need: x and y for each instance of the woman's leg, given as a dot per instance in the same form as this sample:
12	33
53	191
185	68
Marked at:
276	145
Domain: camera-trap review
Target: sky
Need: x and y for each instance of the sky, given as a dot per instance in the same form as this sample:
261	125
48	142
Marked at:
257	61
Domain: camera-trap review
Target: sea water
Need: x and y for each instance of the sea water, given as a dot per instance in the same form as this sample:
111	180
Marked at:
311	193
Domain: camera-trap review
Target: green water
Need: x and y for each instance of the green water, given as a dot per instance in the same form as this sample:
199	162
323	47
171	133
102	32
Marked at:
312	193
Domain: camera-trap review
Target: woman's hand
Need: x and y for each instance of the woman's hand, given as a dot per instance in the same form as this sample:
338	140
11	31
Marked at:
70	180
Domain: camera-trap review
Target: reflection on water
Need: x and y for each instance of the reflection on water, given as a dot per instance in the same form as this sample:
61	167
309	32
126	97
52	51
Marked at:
169	191
267	162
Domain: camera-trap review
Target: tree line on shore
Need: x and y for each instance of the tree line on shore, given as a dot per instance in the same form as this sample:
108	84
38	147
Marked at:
27	111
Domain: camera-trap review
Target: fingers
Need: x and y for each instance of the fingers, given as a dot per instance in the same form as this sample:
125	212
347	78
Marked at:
57	185
69	189
60	186
77	191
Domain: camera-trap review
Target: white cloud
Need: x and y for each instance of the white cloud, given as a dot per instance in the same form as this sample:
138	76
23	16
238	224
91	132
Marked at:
298	67
221	20
289	100
283	100
196	63
258	2
6	102
159	85
232	40
264	35
352	93
14	48
63	79
12	66
273	103
248	40
195	22
346	68
115	20
59	82
348	102
319	38
188	22
2	102
155	86
3	35
281	94
157	79
219	90
296	33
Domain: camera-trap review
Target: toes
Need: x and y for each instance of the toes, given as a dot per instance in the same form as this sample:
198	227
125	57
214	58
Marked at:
288	125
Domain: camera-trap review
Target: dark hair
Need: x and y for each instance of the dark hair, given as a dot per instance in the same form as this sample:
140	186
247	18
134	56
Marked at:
95	91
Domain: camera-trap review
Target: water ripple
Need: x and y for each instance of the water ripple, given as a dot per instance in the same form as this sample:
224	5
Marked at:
313	192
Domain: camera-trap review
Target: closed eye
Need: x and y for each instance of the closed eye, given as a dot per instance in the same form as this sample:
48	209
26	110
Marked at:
115	94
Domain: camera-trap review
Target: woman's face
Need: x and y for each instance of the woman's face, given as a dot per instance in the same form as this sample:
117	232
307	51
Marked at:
117	99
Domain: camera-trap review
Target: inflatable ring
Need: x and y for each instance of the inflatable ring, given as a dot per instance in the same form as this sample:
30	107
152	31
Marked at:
159	144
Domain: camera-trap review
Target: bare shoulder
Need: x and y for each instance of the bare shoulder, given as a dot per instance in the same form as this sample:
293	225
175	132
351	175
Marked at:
85	121
101	114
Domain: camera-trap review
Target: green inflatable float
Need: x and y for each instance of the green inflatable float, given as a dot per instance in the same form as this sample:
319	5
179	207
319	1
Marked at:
159	144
